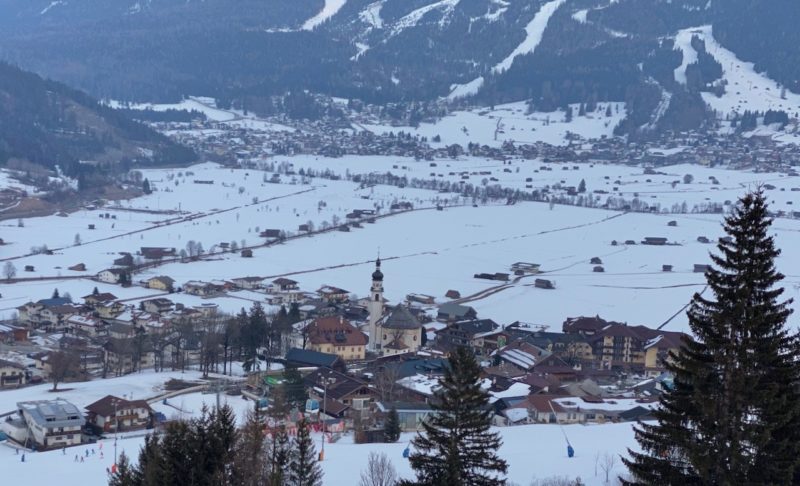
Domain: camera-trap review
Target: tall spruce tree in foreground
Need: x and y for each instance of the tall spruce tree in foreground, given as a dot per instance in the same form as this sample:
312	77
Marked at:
304	469
733	415
455	447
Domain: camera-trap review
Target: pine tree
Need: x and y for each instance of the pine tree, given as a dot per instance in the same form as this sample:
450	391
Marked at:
250	466
222	437
55	294
455	446
391	429
733	415
303	467
146	187
151	462
125	475
582	186
279	456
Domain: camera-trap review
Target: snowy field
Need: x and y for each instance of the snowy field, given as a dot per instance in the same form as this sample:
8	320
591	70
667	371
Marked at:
425	251
512	122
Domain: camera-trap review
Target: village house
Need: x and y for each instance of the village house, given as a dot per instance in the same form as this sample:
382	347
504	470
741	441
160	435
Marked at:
162	282
282	285
50	424
109	310
335	335
13	334
100	298
202	289
329	293
521	354
157	253
410	414
111	413
455	312
247	283
343	392
126	260
86	325
159	305
113	275
119	356
12	374
468	333
660	349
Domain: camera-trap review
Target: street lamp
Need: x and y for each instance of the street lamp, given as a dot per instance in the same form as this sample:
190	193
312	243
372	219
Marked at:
325	382
116	429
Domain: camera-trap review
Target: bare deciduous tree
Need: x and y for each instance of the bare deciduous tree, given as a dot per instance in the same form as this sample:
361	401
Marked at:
9	271
380	471
386	383
607	463
62	366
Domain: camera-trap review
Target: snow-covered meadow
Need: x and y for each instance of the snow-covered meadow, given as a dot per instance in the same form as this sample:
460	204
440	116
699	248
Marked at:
425	251
512	122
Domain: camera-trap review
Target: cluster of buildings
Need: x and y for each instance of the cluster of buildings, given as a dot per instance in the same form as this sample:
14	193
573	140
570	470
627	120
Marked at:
359	358
55	424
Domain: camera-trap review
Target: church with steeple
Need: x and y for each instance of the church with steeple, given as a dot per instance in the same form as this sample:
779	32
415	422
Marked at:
392	330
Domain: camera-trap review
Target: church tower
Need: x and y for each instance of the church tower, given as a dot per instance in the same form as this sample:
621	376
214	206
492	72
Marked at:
375	306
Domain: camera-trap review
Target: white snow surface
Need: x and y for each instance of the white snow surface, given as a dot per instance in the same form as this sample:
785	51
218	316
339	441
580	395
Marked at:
330	9
51	6
411	19
372	14
455	244
512	122
683	41
207	106
534	32
580	15
465	90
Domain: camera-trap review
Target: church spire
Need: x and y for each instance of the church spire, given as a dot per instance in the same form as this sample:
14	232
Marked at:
377	275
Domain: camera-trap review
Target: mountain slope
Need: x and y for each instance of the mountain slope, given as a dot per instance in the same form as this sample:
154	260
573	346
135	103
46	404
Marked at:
550	52
49	124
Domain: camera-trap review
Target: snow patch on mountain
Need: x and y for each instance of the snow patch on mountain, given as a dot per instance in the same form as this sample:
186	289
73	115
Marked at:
661	108
502	7
372	14
51	6
413	18
580	15
683	41
329	10
465	90
745	89
535	31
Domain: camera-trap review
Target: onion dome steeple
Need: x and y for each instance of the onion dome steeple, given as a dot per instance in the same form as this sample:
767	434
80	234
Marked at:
377	275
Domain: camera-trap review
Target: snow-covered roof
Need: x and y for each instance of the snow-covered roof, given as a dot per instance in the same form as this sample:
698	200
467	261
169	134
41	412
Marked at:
516	414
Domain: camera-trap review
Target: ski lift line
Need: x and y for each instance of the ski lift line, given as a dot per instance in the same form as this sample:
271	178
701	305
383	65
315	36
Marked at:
550	402
680	311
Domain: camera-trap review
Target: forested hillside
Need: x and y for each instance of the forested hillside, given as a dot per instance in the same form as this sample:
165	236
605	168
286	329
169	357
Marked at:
49	124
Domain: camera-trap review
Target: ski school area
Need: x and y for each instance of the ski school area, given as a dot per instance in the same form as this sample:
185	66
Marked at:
532	452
